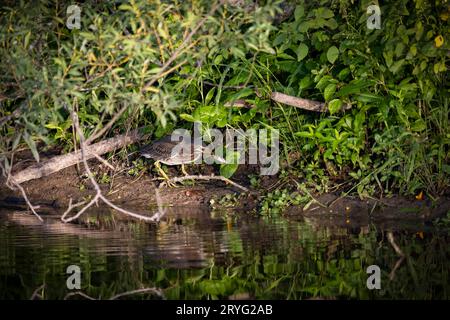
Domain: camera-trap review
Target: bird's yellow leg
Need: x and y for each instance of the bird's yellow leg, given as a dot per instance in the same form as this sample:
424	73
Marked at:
183	169
164	175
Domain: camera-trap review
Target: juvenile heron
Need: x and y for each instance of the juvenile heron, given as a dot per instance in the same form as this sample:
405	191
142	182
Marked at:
164	151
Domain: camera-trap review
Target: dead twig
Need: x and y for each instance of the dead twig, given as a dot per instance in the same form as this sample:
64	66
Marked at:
144	290
300	103
99	195
107	126
36	294
13	185
156	291
78	293
106	163
207	178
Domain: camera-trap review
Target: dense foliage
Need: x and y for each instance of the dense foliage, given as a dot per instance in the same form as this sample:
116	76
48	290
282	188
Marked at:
394	138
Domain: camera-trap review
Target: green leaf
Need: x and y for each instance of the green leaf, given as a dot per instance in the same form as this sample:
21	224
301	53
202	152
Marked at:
396	66
299	12
305	82
324	13
302	51
210	95
334	105
332	54
329	91
304	134
31	144
354	86
227	170
419	125
241	94
323	82
187	117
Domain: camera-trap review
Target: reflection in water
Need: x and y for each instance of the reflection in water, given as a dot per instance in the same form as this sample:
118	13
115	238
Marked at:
195	254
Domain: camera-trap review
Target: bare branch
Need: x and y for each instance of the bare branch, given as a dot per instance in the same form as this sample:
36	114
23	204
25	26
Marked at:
144	290
13	184
156	291
305	104
207	178
78	293
58	163
99	195
106	163
107	126
36	294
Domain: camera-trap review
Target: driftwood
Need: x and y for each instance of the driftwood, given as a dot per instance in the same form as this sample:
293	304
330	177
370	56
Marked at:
300	103
58	163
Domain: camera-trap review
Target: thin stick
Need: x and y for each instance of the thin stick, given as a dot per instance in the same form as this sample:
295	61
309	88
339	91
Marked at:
11	183
36	294
156	291
78	293
108	125
24	195
207	178
99	196
106	163
144	290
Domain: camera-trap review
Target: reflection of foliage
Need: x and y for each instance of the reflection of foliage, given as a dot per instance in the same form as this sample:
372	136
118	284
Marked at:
293	261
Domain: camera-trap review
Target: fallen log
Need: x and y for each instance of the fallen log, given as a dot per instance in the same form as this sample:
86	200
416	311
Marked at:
58	163
300	103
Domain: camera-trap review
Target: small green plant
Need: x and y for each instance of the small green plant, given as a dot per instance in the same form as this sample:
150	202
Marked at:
275	202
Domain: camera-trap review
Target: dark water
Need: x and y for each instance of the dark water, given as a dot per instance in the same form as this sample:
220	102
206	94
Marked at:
196	254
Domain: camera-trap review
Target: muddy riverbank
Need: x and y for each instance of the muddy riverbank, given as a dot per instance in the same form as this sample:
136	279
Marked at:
52	194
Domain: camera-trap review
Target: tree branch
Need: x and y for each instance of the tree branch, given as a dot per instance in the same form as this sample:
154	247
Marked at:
300	103
58	163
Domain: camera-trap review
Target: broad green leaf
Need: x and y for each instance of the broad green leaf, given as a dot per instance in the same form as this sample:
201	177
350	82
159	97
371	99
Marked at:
396	66
302	51
227	170
354	86
324	12
306	82
419	125
332	54
334	105
299	12
323	82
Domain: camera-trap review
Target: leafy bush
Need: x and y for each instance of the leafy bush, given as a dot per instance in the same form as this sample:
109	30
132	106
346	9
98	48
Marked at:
394	138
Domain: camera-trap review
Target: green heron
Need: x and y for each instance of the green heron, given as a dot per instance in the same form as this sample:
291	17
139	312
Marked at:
162	151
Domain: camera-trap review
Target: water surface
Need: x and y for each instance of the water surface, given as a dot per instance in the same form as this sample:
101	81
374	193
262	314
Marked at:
198	254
